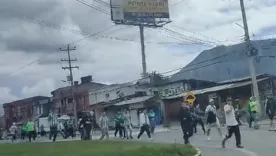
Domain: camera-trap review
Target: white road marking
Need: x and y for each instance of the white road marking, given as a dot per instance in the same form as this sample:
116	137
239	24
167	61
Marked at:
245	151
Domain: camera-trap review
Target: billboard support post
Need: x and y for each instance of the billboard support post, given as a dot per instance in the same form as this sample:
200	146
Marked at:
142	13
142	40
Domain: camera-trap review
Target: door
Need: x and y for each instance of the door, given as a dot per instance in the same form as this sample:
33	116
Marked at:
134	118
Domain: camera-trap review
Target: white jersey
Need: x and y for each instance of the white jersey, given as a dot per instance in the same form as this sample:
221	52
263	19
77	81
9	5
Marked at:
230	116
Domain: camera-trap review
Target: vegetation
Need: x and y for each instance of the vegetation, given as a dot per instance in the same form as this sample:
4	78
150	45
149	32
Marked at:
157	78
96	148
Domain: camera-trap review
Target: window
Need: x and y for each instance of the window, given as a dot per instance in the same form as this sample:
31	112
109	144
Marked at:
69	100
107	95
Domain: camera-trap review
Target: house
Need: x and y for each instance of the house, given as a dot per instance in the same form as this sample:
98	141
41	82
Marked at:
237	89
124	96
26	109
172	94
63	100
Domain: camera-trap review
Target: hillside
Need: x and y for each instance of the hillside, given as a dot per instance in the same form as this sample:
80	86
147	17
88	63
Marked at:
224	63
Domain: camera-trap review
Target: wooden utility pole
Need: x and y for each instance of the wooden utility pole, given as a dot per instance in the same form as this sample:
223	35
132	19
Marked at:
71	79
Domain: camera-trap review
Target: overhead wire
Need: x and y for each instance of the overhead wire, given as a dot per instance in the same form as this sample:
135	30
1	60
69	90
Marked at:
42	57
94	7
187	70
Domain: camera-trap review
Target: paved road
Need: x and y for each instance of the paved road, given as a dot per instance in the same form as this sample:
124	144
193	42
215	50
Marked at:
256	142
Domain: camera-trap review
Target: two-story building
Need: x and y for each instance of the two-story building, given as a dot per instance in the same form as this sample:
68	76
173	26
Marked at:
63	99
26	109
129	96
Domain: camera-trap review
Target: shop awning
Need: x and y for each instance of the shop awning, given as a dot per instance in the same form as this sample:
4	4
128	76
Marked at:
133	101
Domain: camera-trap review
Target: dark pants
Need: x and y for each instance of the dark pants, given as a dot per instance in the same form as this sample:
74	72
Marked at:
87	130
236	131
42	133
201	123
118	128
152	125
69	132
81	133
187	133
13	137
31	135
23	135
53	133
144	128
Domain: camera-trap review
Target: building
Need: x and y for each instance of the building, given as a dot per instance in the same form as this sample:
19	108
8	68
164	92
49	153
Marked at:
26	109
172	94
63	100
124	96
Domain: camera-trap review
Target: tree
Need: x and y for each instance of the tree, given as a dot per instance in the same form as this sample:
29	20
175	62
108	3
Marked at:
156	78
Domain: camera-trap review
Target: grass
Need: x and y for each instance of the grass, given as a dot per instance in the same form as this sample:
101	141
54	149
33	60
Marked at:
96	148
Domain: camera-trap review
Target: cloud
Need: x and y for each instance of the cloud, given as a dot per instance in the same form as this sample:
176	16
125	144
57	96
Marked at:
42	87
30	56
5	96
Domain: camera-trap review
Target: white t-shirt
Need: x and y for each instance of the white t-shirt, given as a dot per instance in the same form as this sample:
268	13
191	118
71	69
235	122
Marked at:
230	116
211	108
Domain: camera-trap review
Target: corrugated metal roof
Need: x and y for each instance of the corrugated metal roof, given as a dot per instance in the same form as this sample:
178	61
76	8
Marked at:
223	87
133	100
217	88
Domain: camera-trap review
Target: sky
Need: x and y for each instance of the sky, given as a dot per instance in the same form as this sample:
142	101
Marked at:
32	31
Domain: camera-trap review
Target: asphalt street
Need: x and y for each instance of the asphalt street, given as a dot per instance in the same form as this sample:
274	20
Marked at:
256	142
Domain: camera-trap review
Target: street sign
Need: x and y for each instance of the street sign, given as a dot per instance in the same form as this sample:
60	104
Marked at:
189	97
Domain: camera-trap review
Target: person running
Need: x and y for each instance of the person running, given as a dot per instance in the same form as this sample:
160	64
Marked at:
212	120
87	122
53	122
127	125
23	131
152	121
232	124
119	121
251	109
144	123
13	131
81	129
198	117
185	117
31	130
270	111
104	126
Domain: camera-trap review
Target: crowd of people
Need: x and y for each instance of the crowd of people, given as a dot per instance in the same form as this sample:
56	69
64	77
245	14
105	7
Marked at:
190	116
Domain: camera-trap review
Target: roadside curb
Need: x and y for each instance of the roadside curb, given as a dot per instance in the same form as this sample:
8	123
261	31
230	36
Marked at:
198	152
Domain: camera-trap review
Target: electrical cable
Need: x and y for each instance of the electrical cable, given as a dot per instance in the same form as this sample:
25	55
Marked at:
42	57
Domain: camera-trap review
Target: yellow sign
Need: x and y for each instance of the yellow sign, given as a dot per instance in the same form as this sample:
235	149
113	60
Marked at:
189	98
146	8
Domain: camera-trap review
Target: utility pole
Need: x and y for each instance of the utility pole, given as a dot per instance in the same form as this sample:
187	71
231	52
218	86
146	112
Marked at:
251	58
142	40
70	67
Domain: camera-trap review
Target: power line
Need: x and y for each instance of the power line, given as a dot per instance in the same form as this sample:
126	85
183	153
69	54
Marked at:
196	33
183	71
40	58
94	7
177	3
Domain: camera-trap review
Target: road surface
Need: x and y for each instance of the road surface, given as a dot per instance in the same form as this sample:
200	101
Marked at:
256	142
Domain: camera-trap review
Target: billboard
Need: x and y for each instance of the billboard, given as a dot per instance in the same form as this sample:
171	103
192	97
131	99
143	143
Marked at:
139	9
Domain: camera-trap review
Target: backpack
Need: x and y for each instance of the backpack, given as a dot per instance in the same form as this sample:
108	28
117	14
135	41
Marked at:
211	118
